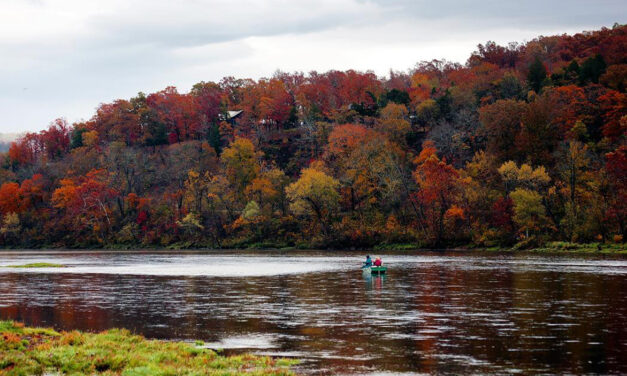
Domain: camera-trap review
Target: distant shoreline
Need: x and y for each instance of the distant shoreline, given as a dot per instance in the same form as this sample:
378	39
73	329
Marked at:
557	248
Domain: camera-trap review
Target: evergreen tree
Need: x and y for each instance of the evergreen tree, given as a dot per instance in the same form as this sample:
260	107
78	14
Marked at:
592	69
537	74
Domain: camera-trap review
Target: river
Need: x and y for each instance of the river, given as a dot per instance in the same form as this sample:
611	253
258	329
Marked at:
444	313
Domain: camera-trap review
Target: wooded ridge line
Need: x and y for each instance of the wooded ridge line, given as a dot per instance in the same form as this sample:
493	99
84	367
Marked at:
521	145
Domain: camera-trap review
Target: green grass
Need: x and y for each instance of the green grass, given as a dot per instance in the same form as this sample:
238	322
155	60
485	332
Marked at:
396	247
37	351
567	247
37	265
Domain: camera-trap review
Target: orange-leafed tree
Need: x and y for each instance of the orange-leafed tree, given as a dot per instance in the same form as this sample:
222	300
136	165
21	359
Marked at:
10	198
438	193
16	198
33	193
119	121
344	138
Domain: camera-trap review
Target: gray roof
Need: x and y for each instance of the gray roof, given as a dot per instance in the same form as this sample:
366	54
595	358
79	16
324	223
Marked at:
232	114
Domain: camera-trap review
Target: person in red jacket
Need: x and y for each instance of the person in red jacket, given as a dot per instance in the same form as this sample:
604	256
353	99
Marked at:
378	262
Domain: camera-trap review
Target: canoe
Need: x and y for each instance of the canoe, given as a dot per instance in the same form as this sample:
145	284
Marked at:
378	269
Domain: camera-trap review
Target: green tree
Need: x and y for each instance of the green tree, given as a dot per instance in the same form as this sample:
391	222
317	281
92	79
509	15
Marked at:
572	171
427	113
529	213
11	227
314	194
537	75
524	176
251	210
241	162
393	122
592	69
215	139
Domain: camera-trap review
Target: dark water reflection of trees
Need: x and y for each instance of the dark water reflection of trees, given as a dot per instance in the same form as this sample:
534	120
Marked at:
422	318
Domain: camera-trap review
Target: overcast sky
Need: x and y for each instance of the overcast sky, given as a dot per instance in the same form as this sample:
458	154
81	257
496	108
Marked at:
61	58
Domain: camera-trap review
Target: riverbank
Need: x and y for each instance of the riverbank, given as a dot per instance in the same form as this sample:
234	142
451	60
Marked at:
591	248
549	247
35	351
554	247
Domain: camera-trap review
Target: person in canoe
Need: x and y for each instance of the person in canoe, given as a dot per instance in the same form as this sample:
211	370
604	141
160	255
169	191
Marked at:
378	262
368	262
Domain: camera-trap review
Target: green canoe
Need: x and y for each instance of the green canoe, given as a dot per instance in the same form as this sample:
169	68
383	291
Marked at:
378	269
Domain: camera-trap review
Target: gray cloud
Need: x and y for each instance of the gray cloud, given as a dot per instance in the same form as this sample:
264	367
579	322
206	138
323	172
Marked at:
527	13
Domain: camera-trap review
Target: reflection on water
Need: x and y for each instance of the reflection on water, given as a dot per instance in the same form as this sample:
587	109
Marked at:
431	314
374	282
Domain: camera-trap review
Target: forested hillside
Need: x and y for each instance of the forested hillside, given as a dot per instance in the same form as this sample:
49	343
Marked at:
523	143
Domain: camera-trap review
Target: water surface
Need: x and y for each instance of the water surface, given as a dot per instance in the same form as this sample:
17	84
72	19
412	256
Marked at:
433	313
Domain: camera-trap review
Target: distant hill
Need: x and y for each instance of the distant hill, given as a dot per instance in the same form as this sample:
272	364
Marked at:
9	137
6	139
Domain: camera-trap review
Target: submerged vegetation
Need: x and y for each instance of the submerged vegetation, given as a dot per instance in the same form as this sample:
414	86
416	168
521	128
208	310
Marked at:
37	265
37	351
522	145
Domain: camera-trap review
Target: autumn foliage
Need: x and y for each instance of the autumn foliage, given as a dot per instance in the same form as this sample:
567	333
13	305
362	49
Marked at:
521	144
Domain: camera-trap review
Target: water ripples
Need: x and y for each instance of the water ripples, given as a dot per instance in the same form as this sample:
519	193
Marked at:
445	314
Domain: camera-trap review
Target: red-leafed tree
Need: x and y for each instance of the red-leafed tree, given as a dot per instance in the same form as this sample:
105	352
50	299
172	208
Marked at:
502	214
616	166
614	108
276	104
177	112
210	100
26	150
86	201
316	97
56	139
361	88
569	104
502	122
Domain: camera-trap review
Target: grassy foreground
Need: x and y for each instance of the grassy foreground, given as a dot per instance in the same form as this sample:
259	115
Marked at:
39	351
37	265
